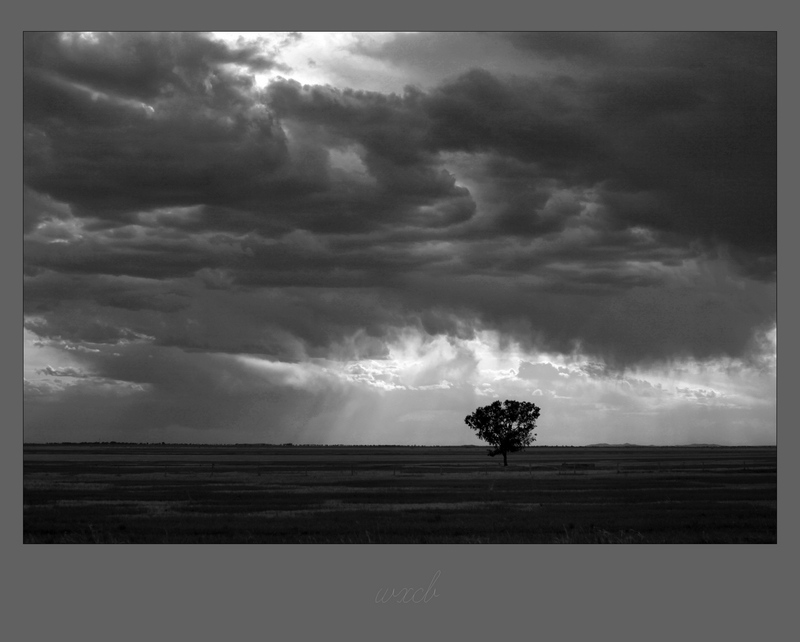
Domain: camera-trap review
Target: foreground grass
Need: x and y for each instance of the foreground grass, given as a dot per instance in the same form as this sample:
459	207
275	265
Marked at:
331	498
493	524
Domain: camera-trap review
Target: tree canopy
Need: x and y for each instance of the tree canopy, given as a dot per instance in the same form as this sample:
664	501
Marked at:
507	425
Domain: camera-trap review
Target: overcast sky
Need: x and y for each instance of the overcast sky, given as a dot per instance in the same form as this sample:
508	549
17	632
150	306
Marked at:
360	238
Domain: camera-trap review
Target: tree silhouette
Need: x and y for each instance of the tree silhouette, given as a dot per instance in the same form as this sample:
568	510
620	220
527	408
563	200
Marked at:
508	426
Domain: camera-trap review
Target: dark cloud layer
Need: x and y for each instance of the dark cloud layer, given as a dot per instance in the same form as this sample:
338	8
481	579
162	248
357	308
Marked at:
133	122
621	204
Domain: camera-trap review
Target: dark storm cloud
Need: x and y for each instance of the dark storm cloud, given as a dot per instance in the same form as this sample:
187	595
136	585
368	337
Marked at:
410	186
37	208
137	121
678	134
688	151
52	288
78	326
171	259
529	120
137	65
167	196
568	45
638	323
63	372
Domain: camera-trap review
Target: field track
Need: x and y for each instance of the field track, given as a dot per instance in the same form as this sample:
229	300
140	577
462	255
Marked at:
136	493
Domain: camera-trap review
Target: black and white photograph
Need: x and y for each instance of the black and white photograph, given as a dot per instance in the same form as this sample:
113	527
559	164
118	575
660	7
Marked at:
437	287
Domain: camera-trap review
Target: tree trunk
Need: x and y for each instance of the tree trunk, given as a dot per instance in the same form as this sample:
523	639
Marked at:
505	459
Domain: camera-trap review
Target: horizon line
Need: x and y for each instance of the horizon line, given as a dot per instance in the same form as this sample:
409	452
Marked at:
343	445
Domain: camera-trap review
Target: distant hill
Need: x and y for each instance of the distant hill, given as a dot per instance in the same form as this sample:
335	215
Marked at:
605	445
627	445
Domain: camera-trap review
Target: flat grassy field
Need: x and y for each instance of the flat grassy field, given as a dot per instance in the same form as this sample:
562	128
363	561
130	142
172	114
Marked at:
121	493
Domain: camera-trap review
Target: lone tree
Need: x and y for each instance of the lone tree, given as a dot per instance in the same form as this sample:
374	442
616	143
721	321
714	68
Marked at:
508	426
